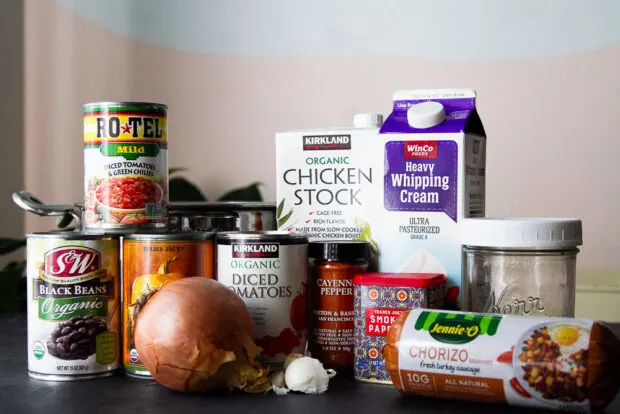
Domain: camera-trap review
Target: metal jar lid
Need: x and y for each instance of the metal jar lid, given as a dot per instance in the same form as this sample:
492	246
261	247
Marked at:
522	233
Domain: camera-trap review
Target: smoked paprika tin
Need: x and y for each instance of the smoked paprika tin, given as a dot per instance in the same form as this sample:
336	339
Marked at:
378	299
125	166
150	261
73	305
269	271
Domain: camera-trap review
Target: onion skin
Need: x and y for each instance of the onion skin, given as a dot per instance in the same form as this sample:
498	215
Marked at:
195	334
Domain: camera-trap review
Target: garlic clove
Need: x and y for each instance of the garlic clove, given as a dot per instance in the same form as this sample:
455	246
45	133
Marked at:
307	375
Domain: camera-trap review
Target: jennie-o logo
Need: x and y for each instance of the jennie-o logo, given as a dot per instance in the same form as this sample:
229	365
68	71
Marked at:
420	149
456	328
255	250
326	142
373	294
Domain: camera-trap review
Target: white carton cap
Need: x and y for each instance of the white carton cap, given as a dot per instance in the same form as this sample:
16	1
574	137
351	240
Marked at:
522	233
367	120
426	114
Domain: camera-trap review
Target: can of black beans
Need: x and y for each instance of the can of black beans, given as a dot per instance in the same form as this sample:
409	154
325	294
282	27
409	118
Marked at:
73	305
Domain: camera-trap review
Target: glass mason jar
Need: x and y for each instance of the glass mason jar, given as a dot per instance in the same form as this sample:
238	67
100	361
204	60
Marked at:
520	266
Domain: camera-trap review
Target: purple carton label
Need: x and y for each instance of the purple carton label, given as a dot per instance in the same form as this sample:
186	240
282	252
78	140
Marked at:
421	176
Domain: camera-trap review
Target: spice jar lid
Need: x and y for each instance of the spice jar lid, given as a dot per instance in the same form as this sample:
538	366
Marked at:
522	233
417	280
341	250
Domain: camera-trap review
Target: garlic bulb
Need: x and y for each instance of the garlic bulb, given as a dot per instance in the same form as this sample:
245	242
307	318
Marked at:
307	375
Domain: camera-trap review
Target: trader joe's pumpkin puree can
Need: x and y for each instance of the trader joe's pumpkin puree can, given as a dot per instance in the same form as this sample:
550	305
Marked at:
125	165
150	261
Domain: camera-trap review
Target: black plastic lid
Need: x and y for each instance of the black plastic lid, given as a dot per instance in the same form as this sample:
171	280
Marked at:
339	250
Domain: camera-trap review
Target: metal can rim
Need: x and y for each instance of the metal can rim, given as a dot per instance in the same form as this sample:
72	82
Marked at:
125	103
224	206
71	235
283	237
172	236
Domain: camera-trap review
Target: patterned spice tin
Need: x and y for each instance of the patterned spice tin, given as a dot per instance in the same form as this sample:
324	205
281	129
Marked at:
379	299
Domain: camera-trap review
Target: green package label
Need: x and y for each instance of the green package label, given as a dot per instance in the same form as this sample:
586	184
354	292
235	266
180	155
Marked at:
106	348
129	151
51	309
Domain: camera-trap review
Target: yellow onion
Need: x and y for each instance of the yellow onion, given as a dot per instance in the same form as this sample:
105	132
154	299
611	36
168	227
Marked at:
195	334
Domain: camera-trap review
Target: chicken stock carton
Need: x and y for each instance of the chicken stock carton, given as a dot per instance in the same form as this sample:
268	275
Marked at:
433	150
325	179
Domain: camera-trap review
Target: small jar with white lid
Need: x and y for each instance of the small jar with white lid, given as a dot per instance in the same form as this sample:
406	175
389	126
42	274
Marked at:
520	266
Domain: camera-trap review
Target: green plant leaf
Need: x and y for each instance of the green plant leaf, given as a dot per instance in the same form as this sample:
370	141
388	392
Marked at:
13	292
280	208
175	170
283	220
248	193
8	245
182	190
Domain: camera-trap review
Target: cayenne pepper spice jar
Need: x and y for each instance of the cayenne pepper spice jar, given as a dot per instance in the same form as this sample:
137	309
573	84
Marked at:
334	264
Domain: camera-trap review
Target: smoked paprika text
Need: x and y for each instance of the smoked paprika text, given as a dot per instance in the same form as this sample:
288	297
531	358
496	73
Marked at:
332	318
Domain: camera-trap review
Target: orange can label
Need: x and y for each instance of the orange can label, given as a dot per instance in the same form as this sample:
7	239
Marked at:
148	265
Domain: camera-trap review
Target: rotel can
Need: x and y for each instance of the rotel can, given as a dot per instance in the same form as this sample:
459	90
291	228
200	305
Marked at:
150	261
125	166
73	305
269	271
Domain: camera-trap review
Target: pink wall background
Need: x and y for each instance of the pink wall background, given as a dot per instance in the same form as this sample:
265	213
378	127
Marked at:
553	123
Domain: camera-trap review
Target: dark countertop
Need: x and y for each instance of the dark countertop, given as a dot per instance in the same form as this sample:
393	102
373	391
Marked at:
21	394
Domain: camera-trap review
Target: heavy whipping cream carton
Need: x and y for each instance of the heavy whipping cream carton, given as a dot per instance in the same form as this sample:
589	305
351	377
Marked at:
433	154
404	187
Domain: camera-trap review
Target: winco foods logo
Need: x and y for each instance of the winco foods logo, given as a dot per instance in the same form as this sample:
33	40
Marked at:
420	149
255	250
326	142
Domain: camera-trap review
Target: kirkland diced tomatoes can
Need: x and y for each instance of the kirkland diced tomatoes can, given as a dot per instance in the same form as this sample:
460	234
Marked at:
125	165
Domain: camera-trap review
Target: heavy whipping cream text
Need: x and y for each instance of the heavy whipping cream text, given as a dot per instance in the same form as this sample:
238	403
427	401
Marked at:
270	275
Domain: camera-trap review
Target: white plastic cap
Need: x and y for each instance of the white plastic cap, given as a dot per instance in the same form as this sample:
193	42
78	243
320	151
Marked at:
522	233
367	120
426	114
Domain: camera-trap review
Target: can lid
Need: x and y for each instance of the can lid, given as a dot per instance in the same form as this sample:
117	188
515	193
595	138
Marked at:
426	114
171	236
418	280
522	233
339	250
265	236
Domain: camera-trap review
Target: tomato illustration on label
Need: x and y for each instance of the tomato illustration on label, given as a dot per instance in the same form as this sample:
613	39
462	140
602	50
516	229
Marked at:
299	310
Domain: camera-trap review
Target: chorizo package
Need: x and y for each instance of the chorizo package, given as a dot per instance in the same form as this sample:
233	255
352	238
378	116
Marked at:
551	363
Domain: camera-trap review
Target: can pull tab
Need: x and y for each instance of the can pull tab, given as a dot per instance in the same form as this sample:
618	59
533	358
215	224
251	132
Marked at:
30	203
